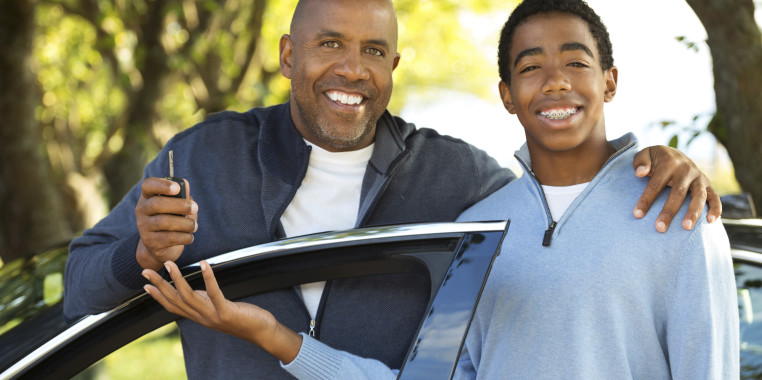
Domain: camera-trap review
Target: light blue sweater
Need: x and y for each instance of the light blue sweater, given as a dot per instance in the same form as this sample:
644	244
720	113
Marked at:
609	298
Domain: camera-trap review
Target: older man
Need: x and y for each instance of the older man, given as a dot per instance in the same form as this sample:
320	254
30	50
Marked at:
330	158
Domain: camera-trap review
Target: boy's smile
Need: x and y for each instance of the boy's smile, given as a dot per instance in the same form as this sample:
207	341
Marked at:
559	114
558	89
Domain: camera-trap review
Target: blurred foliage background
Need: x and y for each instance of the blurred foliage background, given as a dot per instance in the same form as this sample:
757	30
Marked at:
101	85
92	89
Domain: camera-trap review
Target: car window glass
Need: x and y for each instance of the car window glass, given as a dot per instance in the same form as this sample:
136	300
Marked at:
749	284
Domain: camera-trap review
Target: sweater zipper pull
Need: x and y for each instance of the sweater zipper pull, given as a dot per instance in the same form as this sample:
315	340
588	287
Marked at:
312	328
548	234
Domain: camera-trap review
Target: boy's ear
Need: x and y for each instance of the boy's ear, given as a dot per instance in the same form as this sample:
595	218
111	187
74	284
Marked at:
611	77
505	95
286	55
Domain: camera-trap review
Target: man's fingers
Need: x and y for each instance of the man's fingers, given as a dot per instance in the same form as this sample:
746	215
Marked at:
187	189
166	205
157	295
642	162
715	205
212	287
675	199
655	185
175	295
168	223
698	199
159	289
186	294
153	186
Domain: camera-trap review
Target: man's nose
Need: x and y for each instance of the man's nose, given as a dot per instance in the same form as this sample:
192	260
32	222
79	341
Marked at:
352	67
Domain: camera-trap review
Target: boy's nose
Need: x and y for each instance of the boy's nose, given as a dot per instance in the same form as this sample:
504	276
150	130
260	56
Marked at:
556	81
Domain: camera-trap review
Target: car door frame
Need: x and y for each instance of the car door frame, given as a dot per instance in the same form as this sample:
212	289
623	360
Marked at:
456	256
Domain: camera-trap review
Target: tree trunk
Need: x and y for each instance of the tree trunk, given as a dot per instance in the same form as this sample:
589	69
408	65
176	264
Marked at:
736	46
31	212
125	168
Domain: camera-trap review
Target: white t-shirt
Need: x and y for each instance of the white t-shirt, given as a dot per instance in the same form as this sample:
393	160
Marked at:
328	199
560	197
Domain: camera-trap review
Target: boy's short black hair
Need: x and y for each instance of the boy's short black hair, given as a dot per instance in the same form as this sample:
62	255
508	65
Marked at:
529	8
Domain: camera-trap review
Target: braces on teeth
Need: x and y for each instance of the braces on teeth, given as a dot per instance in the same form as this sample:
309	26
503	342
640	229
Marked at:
559	114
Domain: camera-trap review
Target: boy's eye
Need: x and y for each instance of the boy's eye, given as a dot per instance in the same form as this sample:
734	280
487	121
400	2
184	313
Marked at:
331	44
528	69
578	64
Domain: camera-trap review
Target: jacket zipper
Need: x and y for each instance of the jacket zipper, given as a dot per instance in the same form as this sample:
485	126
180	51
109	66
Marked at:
277	229
395	166
548	236
314	330
279	233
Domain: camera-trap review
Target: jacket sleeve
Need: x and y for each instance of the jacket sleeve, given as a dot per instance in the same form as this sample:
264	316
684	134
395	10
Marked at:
317	361
489	174
465	367
702	321
101	271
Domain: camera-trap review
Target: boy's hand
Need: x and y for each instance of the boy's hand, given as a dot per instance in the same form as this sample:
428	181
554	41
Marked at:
670	167
211	309
165	224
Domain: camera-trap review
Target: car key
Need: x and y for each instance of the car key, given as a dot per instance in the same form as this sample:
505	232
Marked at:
172	177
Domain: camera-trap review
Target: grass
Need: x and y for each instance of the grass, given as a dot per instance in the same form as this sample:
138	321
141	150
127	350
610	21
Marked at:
157	355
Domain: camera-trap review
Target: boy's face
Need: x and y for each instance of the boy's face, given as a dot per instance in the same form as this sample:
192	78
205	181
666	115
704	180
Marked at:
557	84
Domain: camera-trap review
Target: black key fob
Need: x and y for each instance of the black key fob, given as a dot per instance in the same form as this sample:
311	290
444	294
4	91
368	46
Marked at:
180	182
172	177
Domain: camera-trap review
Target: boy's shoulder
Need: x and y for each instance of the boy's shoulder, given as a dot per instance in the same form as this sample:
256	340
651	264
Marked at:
502	203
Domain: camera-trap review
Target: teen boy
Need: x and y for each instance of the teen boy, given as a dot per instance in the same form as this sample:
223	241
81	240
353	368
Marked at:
580	290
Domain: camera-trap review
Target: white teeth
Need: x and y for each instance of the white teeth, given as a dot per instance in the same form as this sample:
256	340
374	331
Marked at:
344	98
559	114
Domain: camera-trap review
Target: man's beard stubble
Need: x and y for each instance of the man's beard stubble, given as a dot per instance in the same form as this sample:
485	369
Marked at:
324	131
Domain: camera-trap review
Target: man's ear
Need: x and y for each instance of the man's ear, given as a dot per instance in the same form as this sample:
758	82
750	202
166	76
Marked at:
505	95
396	61
286	55
611	77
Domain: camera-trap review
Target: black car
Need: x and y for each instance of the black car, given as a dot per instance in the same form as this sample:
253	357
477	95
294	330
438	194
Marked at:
455	256
45	346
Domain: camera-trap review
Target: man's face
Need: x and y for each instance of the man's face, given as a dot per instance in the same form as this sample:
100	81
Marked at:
557	85
340	57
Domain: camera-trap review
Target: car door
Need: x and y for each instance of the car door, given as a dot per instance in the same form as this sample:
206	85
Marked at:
746	247
456	257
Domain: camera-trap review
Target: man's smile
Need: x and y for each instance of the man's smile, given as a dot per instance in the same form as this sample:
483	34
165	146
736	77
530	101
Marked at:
344	98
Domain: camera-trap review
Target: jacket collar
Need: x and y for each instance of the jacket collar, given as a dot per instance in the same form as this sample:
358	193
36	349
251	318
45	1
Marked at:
621	144
281	143
389	143
284	156
282	150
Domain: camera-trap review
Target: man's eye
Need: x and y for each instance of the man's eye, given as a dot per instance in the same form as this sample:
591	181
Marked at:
332	44
374	51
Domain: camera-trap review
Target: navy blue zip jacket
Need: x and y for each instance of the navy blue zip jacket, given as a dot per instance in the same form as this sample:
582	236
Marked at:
243	170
